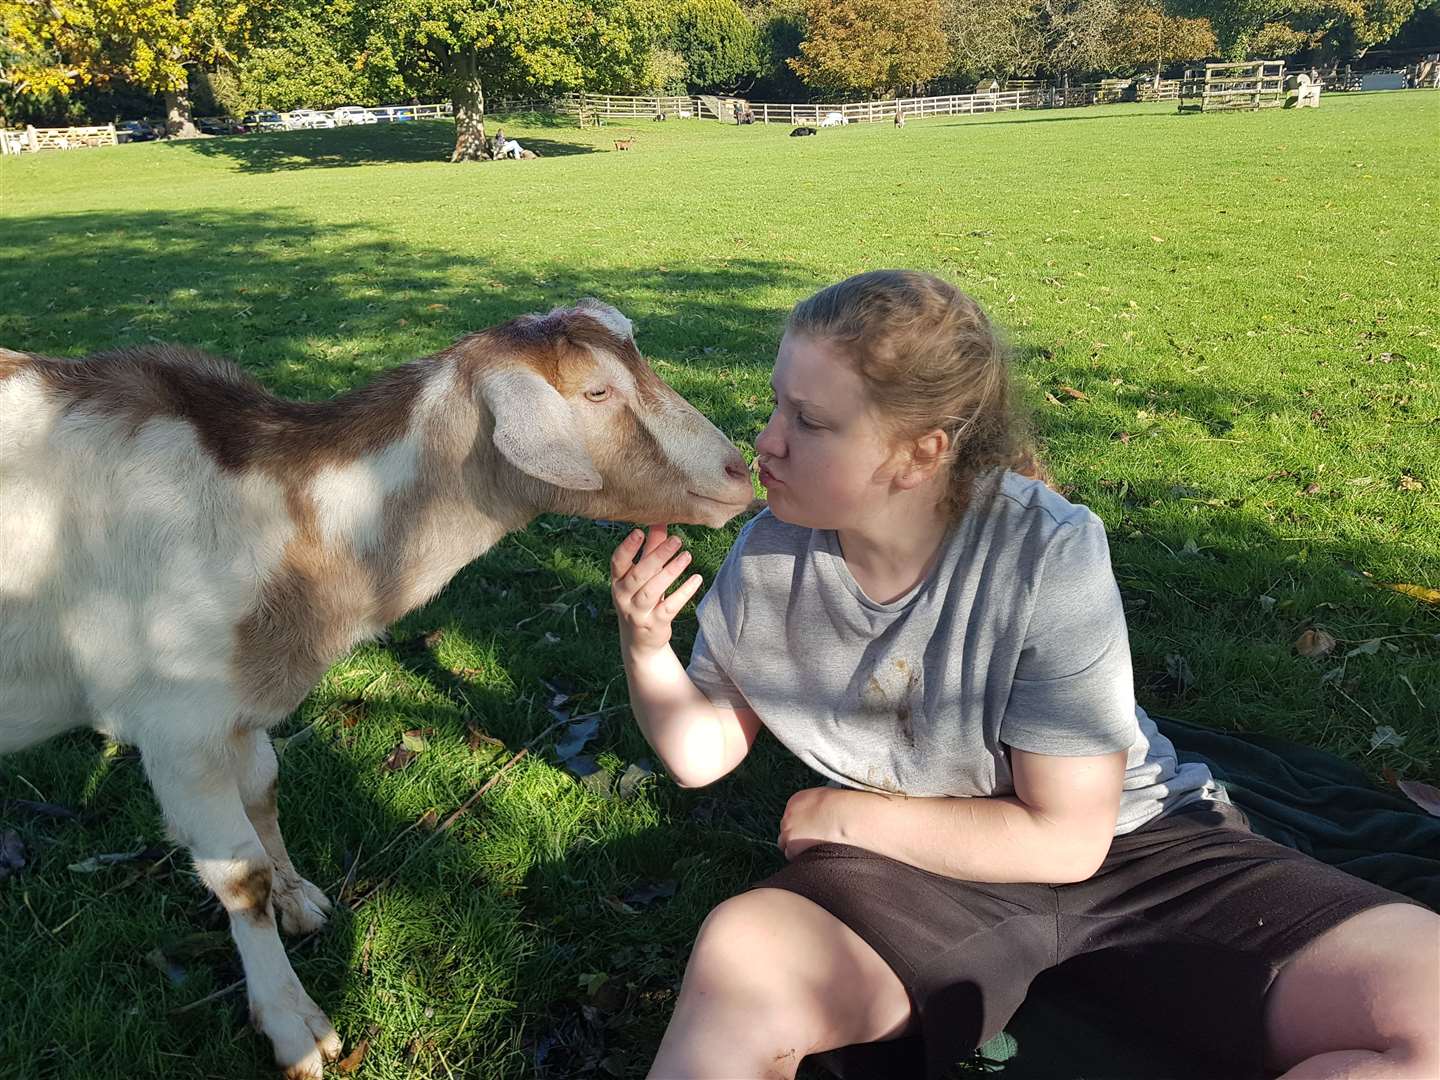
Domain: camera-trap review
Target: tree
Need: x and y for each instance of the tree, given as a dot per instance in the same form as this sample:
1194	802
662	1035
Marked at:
876	46
1151	39
1259	28
516	45
996	38
63	45
717	42
1082	35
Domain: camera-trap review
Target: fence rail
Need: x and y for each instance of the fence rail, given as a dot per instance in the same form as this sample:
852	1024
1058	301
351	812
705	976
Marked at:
67	138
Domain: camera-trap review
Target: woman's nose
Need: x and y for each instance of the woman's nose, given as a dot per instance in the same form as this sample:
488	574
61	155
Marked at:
769	442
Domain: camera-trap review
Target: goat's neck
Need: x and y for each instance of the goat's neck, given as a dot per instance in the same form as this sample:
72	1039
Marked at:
444	498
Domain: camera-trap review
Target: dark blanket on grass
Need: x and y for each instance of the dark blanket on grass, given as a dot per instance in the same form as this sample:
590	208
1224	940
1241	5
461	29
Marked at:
1293	794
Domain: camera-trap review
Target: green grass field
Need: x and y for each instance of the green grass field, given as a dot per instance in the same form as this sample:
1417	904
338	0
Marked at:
1249	305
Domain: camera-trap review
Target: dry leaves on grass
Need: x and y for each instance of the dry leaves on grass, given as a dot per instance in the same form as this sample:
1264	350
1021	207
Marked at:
1425	796
12	853
1315	643
411	745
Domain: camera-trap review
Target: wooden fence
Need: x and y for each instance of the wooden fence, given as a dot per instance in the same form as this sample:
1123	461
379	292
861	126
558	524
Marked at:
67	138
1251	84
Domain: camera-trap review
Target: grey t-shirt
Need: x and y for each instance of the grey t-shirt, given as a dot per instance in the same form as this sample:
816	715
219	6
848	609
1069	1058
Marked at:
1016	638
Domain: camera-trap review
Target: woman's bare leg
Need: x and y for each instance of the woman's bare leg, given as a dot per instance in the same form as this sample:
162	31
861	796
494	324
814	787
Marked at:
774	977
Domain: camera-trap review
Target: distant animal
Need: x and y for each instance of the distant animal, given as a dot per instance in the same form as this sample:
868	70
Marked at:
660	116
899	118
624	144
801	131
183	555
834	119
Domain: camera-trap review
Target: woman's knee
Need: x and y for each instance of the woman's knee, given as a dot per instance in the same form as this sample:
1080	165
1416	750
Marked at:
799	966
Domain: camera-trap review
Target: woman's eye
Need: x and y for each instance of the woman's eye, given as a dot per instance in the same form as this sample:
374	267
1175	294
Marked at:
803	421
597	395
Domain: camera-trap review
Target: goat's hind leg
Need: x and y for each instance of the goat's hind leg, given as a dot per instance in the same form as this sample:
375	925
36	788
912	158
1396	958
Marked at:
198	788
302	906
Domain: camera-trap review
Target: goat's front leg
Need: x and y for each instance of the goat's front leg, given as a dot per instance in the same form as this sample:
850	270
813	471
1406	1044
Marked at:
198	788
302	906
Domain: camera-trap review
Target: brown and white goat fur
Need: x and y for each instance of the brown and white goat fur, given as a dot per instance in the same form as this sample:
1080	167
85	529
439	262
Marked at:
183	555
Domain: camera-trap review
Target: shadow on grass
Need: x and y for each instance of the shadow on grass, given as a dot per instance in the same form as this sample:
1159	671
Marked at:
312	310
345	147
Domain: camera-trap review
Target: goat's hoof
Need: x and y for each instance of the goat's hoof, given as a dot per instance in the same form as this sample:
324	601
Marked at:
302	907
303	1038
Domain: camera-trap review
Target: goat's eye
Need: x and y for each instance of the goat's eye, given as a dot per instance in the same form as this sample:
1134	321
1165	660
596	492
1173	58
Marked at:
597	395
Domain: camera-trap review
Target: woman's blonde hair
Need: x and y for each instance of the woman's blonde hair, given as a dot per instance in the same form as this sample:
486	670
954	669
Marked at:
930	360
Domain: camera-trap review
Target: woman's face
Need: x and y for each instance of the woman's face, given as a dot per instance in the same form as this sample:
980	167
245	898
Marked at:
825	461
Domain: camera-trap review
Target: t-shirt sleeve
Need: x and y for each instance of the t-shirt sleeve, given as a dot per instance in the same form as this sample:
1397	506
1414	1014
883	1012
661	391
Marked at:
720	614
1074	688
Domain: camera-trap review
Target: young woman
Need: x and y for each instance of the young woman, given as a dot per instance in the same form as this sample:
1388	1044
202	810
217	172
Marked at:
940	636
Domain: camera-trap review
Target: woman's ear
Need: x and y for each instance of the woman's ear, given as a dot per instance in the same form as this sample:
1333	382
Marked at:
926	455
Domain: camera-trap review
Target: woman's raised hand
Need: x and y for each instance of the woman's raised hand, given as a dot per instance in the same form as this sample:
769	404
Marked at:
638	587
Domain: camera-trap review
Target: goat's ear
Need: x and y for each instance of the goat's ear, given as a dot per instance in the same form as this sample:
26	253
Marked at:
535	430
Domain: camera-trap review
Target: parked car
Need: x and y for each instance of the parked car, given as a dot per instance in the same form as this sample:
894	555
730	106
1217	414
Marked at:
136	131
263	120
300	119
219	125
392	114
353	114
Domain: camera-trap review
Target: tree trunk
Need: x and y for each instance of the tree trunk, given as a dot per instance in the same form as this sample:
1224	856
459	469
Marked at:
178	124
468	98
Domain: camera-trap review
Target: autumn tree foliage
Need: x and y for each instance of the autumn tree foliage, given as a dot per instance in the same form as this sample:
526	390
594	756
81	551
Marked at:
874	46
59	46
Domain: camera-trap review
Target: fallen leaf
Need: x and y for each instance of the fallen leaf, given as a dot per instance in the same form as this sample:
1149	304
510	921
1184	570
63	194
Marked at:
634	774
1409	483
351	1061
476	739
1178	668
1365	648
351	711
1158	239
1266	602
591	981
41	809
645	895
1311	489
615	904
577	733
1419	592
414	740
398	758
12	853
157	959
1385	735
1078	395
1052	399
1425	796
1124	436
98	862
1315	643
433	638
428	819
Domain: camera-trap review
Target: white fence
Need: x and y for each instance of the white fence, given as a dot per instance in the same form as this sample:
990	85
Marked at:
32	139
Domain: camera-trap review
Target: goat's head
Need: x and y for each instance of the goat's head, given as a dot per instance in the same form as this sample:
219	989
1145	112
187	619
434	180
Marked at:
573	404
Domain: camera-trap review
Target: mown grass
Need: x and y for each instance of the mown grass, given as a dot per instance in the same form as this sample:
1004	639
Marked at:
1249	304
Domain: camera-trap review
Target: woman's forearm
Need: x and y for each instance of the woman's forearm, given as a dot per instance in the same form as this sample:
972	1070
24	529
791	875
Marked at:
997	838
684	729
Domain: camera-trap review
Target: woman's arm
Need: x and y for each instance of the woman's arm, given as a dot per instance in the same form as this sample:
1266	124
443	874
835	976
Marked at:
697	741
1055	829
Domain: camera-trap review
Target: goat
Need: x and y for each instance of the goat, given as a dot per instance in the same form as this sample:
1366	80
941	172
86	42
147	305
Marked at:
183	555
795	132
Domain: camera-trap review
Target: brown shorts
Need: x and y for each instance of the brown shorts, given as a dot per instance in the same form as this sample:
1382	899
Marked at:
1181	930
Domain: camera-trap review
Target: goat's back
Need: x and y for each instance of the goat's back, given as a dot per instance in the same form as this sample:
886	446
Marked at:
134	537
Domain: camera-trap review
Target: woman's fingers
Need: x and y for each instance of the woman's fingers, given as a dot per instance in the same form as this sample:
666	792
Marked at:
655	535
672	604
622	561
653	591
